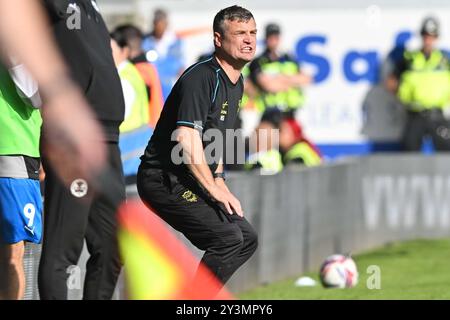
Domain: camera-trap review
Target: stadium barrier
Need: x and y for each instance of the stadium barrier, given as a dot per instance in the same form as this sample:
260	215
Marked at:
302	215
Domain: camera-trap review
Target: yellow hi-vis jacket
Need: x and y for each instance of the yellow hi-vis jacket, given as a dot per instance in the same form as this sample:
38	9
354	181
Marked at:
138	116
303	152
426	82
270	162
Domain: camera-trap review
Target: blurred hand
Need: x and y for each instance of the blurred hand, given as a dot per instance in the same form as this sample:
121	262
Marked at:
301	79
73	140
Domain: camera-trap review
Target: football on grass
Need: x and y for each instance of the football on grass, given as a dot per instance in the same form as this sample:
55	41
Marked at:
338	271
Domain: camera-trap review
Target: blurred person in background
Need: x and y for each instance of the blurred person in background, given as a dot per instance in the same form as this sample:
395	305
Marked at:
421	80
190	192
20	196
383	114
264	154
279	141
134	130
277	76
165	49
132	37
294	146
77	213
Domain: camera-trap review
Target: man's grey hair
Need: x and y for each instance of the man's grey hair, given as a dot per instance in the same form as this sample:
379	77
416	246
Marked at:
231	14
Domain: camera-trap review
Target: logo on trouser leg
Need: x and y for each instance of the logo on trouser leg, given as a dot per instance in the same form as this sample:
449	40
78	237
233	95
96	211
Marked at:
189	196
79	188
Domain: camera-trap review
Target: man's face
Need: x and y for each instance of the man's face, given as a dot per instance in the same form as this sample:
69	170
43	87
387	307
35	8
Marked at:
429	41
159	27
272	42
238	40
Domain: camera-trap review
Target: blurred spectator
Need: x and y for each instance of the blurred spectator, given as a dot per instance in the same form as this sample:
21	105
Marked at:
383	113
20	197
422	80
135	130
263	145
165	49
277	76
132	37
295	148
394	57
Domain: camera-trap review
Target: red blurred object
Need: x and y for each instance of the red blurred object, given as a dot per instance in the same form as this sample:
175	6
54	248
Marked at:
139	223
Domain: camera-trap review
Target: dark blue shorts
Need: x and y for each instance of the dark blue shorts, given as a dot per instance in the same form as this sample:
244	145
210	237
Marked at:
20	211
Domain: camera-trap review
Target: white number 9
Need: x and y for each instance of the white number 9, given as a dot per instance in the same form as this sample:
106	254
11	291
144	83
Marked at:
29	211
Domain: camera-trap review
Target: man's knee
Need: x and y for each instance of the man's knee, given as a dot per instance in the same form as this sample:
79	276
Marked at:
235	239
251	241
225	244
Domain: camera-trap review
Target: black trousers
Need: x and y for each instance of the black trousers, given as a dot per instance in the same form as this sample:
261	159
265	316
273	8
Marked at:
228	240
426	123
70	217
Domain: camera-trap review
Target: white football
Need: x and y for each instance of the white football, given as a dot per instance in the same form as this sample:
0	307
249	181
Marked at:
339	271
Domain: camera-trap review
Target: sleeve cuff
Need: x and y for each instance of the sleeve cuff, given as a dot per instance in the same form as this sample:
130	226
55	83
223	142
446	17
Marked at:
190	124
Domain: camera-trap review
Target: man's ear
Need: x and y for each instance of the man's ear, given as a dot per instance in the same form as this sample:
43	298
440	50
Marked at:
217	39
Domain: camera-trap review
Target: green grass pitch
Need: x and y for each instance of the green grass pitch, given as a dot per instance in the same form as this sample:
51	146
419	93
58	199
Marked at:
418	269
